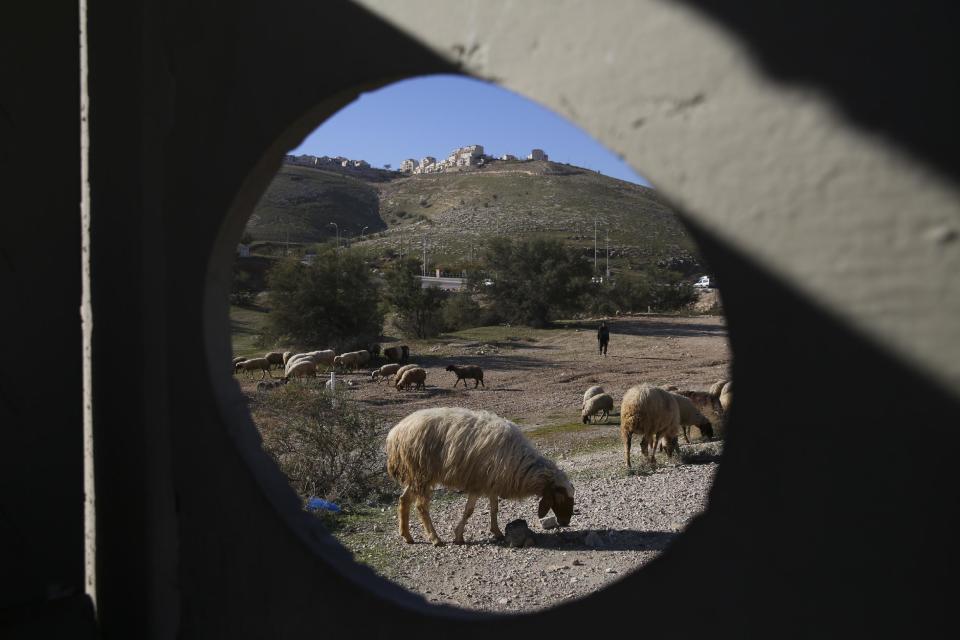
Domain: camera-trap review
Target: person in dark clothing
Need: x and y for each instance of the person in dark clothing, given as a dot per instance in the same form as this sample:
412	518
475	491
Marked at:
603	337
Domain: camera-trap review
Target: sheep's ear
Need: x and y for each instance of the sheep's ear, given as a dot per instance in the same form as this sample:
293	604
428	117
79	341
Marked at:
546	503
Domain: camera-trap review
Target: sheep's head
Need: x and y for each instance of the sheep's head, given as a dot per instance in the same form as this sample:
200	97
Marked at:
671	445
560	500
238	366
450	367
706	428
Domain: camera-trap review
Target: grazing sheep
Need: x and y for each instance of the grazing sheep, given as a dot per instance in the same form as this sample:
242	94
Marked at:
477	452
726	397
403	369
352	359
397	353
286	357
275	358
254	364
690	415
416	376
384	371
317	357
467	372
237	361
653	414
704	402
589	393
300	369
716	388
601	403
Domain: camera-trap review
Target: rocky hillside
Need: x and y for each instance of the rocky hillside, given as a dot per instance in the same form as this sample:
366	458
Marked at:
458	211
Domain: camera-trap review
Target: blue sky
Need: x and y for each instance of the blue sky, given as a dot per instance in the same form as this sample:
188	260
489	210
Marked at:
433	115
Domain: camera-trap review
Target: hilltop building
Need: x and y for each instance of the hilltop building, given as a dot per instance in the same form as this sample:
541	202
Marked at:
462	157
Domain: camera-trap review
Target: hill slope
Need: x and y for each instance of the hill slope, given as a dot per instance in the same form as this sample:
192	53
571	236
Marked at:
457	212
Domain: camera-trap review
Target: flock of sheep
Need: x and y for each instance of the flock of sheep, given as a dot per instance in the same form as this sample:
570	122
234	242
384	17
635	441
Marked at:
308	364
485	455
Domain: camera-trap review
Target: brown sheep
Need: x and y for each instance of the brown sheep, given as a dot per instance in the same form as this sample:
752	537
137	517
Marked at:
467	372
416	376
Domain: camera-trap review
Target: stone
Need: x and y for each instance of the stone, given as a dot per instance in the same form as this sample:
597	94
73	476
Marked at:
550	522
517	534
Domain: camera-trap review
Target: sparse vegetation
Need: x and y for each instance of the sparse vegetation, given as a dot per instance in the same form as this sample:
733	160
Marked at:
323	444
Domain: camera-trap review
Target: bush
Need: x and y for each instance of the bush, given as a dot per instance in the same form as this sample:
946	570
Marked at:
418	310
332	302
323	444
535	281
460	311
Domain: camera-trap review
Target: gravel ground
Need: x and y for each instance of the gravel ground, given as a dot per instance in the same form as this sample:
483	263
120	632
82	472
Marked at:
620	522
537	378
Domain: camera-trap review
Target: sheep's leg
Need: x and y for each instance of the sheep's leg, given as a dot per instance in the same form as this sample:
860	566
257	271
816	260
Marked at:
467	512
627	437
423	510
686	429
481	382
494	525
476	383
403	514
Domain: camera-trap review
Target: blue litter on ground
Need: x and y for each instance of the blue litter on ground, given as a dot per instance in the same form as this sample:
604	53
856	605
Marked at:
315	504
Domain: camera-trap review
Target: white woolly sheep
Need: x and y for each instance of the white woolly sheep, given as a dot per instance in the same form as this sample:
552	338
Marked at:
716	388
384	371
254	364
690	415
300	369
286	356
416	377
477	452
726	397
653	415
601	403
467	372
275	358
352	359
589	393
316	357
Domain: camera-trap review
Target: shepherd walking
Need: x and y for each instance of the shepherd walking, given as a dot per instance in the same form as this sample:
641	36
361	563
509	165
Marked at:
603	337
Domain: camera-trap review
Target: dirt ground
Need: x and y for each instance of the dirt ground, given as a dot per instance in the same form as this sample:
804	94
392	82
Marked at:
537	378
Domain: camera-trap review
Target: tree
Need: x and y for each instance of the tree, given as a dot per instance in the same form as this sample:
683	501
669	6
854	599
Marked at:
418	310
387	166
332	302
535	281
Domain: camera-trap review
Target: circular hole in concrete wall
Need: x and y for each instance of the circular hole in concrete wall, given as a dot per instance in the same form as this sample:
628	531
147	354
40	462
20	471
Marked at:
444	222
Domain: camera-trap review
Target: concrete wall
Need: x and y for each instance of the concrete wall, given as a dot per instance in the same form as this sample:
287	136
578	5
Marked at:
811	149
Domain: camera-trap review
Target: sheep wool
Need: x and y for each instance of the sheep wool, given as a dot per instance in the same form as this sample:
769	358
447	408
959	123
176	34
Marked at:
416	376
690	415
652	414
602	404
477	452
589	393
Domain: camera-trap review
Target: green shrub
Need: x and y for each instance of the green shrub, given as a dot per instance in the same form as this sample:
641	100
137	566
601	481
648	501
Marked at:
323	444
332	302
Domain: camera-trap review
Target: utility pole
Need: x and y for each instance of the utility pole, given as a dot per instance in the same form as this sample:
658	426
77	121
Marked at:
608	254
424	255
335	226
594	246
